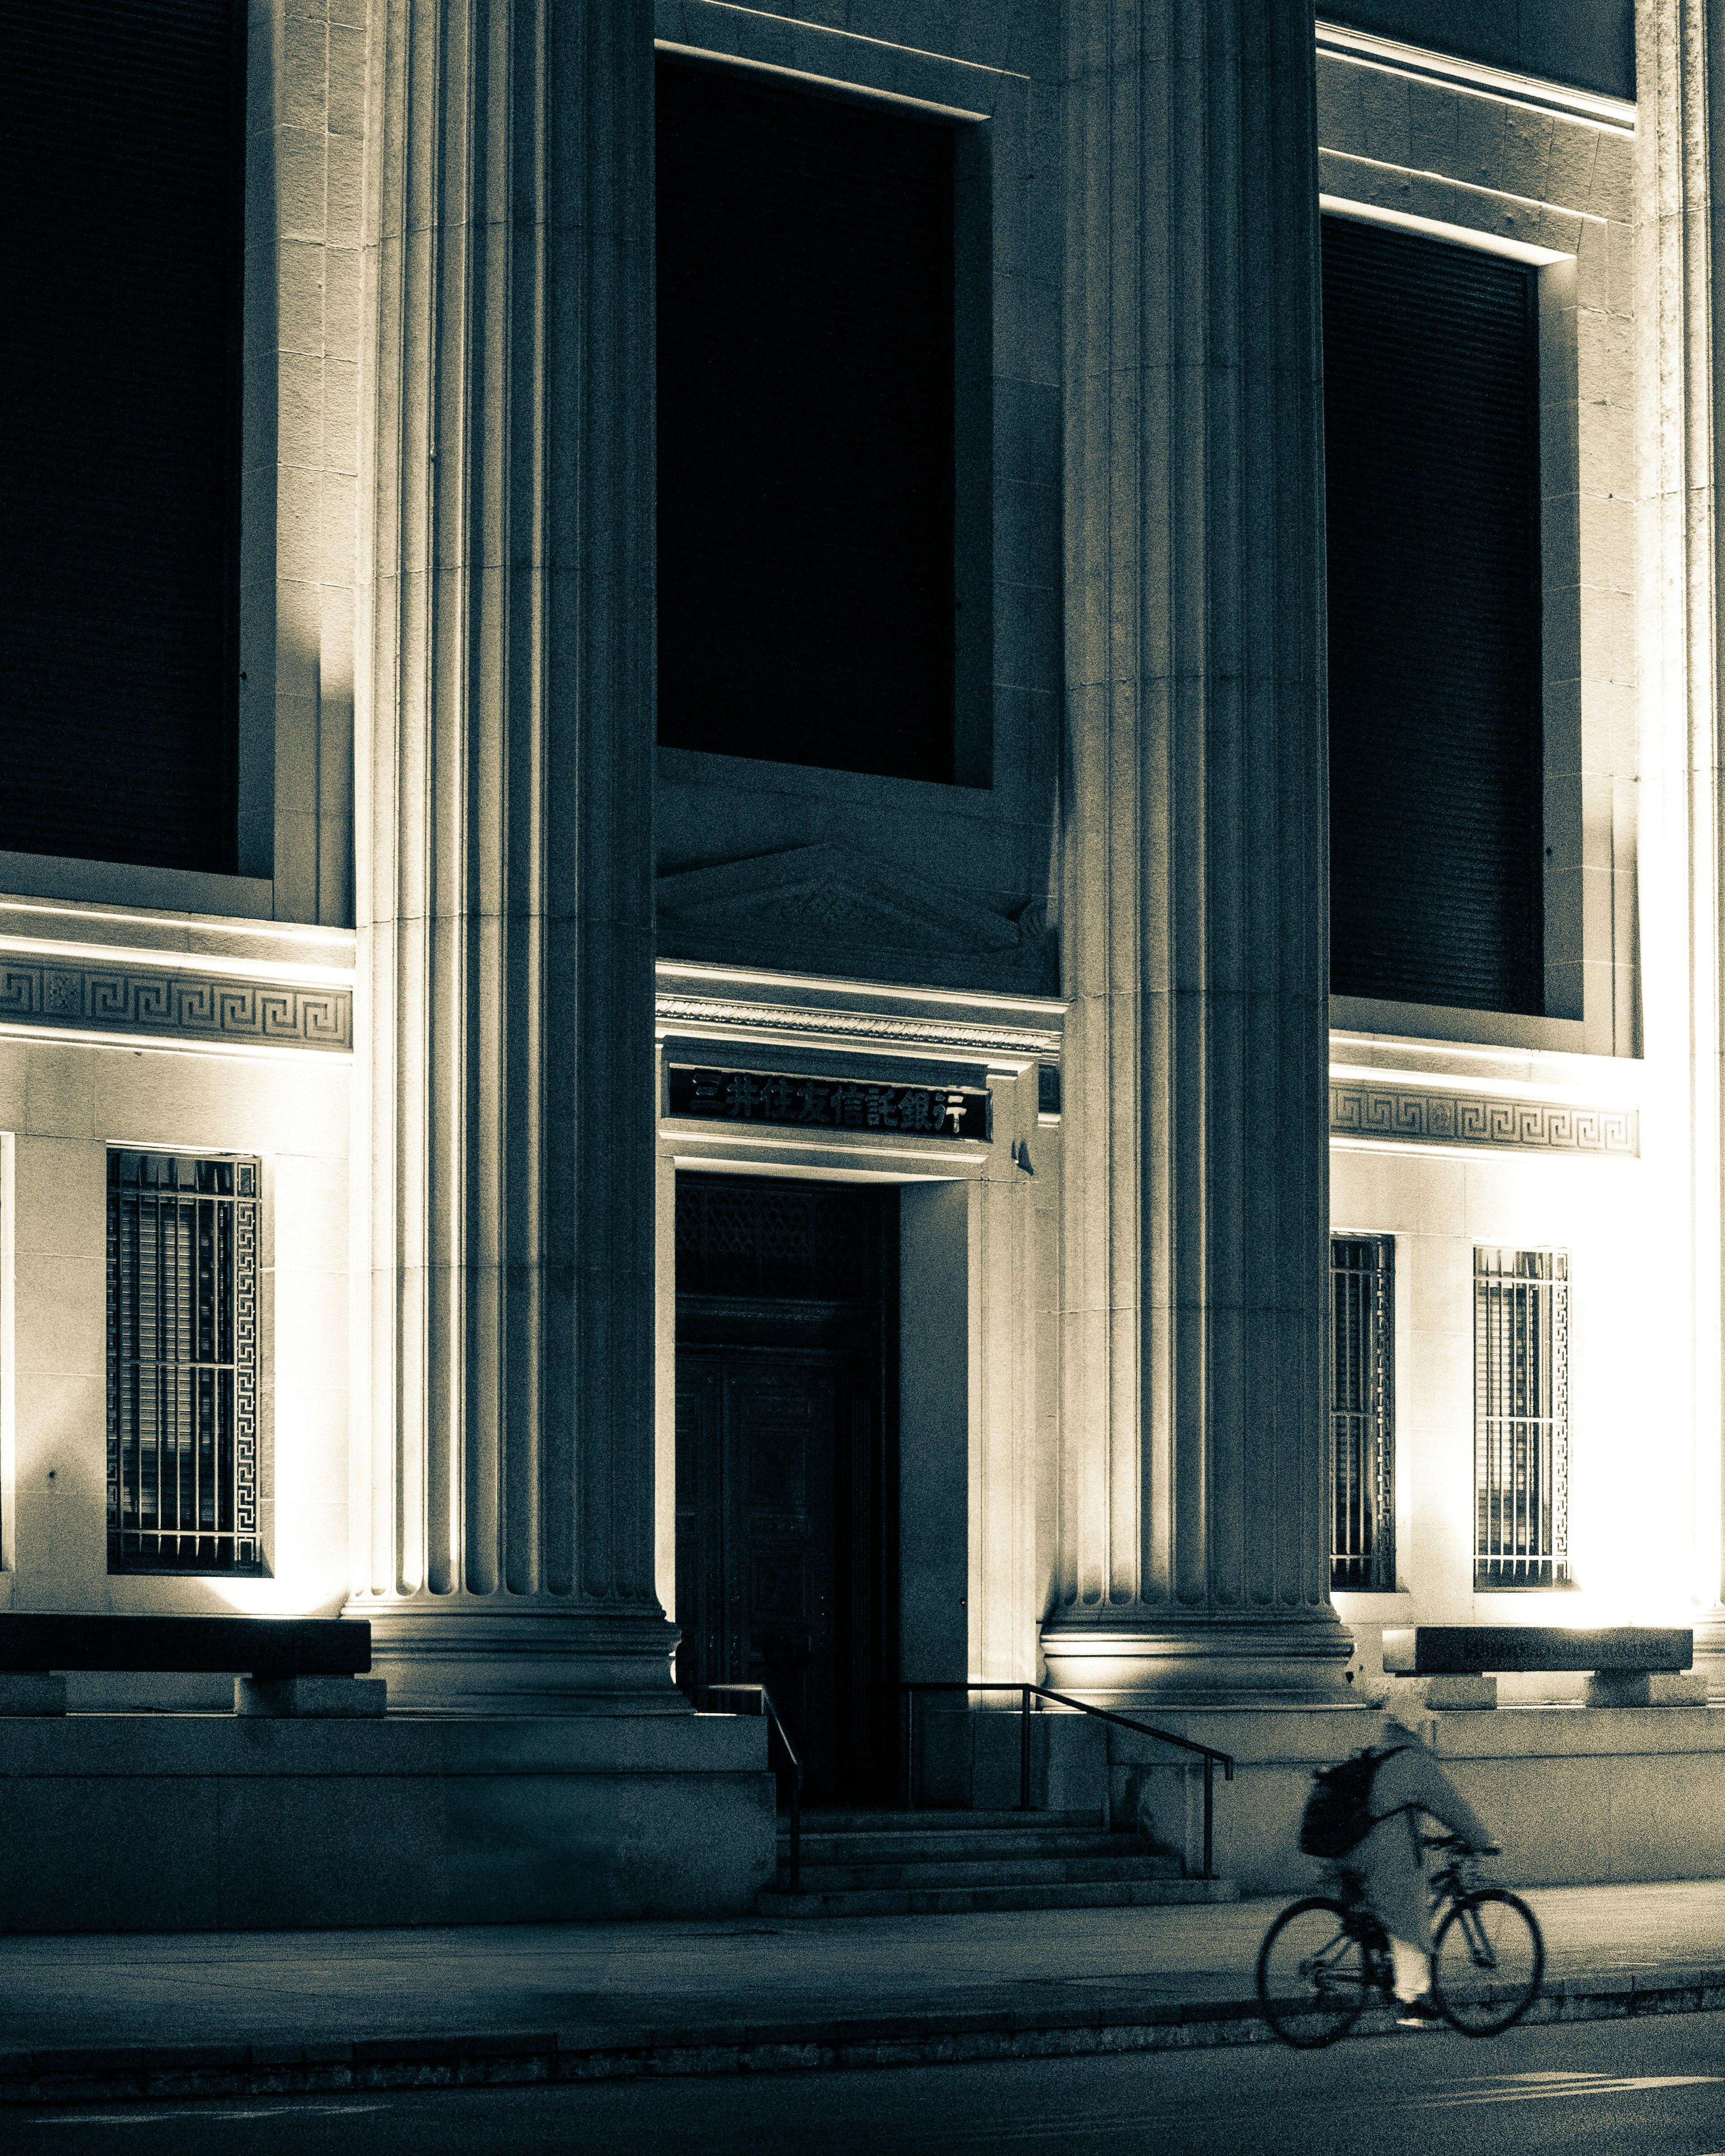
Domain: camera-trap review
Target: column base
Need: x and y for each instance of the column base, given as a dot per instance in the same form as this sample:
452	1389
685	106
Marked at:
1709	1665
454	1655
1208	1663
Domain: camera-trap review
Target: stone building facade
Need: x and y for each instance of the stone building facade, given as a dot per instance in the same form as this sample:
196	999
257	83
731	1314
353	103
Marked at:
722	1218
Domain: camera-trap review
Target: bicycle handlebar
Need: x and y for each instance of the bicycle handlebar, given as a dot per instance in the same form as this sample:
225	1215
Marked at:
1458	1843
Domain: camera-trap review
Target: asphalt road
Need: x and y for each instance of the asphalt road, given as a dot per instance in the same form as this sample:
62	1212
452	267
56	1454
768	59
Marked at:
1645	2088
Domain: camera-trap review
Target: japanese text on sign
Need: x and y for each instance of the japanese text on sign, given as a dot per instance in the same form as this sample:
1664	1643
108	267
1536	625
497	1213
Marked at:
843	1104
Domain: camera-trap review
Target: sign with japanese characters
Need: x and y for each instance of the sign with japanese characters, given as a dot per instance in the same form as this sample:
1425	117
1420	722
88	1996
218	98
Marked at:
830	1104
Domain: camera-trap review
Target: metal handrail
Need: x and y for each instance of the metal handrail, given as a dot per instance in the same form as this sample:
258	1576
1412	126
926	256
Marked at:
771	1714
1206	1751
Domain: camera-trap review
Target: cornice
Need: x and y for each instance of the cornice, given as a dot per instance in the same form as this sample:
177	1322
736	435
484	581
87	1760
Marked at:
725	1017
1610	115
145	935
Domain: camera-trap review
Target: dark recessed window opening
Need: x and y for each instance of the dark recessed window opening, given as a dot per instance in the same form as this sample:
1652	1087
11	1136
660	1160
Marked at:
806	468
123	152
1432	433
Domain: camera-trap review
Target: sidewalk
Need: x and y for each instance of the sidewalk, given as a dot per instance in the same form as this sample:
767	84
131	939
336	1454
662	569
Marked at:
205	2015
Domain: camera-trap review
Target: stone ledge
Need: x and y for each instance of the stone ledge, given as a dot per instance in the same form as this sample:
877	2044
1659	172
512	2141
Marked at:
1570	1732
1305	1737
631	2050
147	1746
252	1822
1256	1736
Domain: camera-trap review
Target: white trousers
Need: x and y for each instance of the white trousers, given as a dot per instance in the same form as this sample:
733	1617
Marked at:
1412	1970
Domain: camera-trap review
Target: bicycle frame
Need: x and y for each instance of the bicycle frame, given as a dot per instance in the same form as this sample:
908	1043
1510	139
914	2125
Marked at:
1379	1972
1452	1882
1343	1956
1455	1881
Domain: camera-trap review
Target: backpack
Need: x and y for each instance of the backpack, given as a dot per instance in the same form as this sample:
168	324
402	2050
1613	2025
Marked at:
1339	1812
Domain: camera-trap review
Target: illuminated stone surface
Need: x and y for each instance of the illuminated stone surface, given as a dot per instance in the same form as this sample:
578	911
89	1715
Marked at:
1192	1563
506	874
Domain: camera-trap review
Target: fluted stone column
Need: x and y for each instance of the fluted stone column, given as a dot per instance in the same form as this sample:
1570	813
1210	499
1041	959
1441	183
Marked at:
1680	235
505	1558
1193	1554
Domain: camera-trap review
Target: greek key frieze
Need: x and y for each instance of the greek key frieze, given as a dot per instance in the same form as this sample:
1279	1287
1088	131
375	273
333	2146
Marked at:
1471	1119
198	1006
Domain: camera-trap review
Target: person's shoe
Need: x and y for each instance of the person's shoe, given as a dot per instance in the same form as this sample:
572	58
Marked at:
1417	2013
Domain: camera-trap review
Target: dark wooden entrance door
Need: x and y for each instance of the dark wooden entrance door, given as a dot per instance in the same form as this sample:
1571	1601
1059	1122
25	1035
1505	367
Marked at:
782	1526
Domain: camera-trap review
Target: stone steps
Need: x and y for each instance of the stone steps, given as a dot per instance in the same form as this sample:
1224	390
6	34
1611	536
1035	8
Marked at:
949	1821
877	1848
1050	1870
968	1901
877	1864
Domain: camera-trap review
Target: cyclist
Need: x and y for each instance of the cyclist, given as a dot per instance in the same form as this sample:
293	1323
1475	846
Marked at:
1389	1866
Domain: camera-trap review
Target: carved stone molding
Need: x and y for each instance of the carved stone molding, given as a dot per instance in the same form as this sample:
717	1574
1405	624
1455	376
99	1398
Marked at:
1472	1119
802	906
63	994
707	1014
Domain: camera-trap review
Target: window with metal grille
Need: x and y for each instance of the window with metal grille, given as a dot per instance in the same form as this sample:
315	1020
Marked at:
182	1364
1520	1348
1362	1413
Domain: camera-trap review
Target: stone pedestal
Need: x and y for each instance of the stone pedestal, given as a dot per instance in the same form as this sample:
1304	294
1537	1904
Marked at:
31	1692
504	803
1616	1688
243	1824
1447	1695
1192	1557
311	1699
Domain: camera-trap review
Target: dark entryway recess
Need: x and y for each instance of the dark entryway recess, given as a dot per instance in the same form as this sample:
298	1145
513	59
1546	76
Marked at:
787	1530
806	442
1436	743
122	148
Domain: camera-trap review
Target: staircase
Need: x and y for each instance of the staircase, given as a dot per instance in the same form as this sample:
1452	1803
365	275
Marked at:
953	1863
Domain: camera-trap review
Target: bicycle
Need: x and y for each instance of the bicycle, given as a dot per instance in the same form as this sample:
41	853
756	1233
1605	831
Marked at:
1324	1959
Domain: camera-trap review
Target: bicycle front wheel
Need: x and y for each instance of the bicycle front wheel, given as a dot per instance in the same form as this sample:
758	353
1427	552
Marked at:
1314	1979
1487	1963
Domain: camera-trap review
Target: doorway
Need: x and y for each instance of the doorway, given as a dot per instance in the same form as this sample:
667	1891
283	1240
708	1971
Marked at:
786	1467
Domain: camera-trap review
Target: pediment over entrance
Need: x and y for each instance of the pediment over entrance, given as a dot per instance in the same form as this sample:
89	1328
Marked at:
824	908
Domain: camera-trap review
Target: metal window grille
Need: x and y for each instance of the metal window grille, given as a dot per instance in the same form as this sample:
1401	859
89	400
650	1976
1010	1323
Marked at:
737	1236
1363	1413
1521	1336
182	1364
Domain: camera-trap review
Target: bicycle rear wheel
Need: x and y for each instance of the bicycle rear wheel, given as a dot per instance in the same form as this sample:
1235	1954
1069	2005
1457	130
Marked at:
1314	1979
1487	1963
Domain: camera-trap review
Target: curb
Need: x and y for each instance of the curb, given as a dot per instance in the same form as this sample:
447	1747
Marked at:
165	2073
